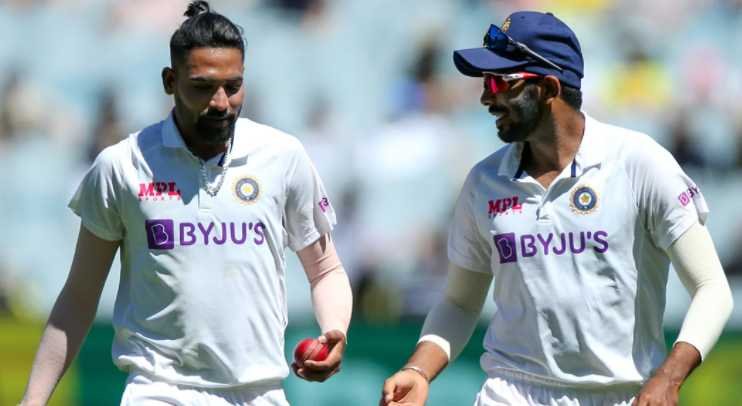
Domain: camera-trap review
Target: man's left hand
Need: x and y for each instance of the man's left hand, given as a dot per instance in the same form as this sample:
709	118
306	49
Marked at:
658	391
319	371
663	388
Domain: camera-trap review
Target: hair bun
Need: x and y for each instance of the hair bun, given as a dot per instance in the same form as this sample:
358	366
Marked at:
196	8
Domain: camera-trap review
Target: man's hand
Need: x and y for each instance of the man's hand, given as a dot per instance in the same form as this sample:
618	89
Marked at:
405	388
319	371
658	391
663	387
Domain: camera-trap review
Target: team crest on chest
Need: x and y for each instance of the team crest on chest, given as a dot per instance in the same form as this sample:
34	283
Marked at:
247	189
584	200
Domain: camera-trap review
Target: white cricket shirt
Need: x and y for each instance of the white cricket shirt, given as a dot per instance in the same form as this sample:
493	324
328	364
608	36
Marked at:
580	268
202	297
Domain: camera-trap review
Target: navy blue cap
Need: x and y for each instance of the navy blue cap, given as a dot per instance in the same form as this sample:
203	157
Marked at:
544	34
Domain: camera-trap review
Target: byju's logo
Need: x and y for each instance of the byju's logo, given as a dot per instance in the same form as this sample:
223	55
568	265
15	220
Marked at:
530	245
163	234
505	244
160	234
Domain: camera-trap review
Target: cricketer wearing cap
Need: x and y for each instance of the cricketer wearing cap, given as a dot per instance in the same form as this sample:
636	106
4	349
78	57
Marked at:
577	222
203	206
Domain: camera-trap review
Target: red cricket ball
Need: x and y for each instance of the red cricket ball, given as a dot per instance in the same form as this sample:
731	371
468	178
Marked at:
310	349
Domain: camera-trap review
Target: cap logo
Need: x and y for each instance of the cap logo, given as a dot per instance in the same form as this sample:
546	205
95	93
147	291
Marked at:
505	25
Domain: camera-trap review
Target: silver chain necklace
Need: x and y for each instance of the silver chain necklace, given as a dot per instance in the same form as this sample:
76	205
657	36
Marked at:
213	190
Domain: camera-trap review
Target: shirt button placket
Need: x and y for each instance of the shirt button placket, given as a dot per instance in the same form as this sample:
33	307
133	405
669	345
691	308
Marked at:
205	200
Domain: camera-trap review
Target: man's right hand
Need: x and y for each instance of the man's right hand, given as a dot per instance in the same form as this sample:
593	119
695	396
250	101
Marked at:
405	388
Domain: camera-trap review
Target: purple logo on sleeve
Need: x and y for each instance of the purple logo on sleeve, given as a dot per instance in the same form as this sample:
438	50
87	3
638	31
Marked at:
160	234
505	244
324	204
688	195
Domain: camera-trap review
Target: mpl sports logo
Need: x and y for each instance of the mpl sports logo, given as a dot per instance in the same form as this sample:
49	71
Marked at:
158	191
508	205
529	245
164	234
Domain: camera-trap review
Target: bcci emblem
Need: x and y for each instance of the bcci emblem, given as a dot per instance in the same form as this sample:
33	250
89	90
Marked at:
247	189
505	25
584	200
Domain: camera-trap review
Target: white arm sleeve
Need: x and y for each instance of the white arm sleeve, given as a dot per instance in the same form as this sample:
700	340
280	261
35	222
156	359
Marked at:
332	297
694	258
451	322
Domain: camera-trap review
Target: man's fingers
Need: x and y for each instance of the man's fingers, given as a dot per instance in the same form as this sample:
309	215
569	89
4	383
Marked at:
297	370
321	370
323	366
393	403
333	360
310	375
390	387
333	339
314	371
320	366
316	376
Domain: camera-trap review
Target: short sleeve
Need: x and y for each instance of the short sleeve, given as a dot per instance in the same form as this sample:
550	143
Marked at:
96	200
309	213
466	247
669	201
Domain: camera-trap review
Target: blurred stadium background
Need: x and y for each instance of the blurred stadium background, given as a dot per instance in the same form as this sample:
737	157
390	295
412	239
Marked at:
370	89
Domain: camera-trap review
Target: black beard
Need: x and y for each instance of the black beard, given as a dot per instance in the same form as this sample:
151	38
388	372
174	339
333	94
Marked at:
214	136
527	108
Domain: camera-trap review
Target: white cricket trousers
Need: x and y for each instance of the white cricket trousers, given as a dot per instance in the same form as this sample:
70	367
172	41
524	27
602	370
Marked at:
511	390
143	391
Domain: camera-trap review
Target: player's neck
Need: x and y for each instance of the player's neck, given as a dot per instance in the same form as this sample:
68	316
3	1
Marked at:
554	147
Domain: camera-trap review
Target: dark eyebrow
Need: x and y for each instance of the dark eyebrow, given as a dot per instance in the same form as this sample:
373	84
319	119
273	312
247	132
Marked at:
209	80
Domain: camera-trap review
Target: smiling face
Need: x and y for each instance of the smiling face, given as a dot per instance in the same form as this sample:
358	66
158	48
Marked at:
208	89
518	109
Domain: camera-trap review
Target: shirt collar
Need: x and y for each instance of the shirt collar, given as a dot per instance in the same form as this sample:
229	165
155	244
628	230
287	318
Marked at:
171	137
590	152
510	165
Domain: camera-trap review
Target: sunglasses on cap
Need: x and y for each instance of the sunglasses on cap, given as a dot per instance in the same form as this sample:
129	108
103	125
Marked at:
497	40
500	82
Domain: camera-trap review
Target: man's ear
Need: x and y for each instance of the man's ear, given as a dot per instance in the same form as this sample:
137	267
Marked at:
552	88
168	80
